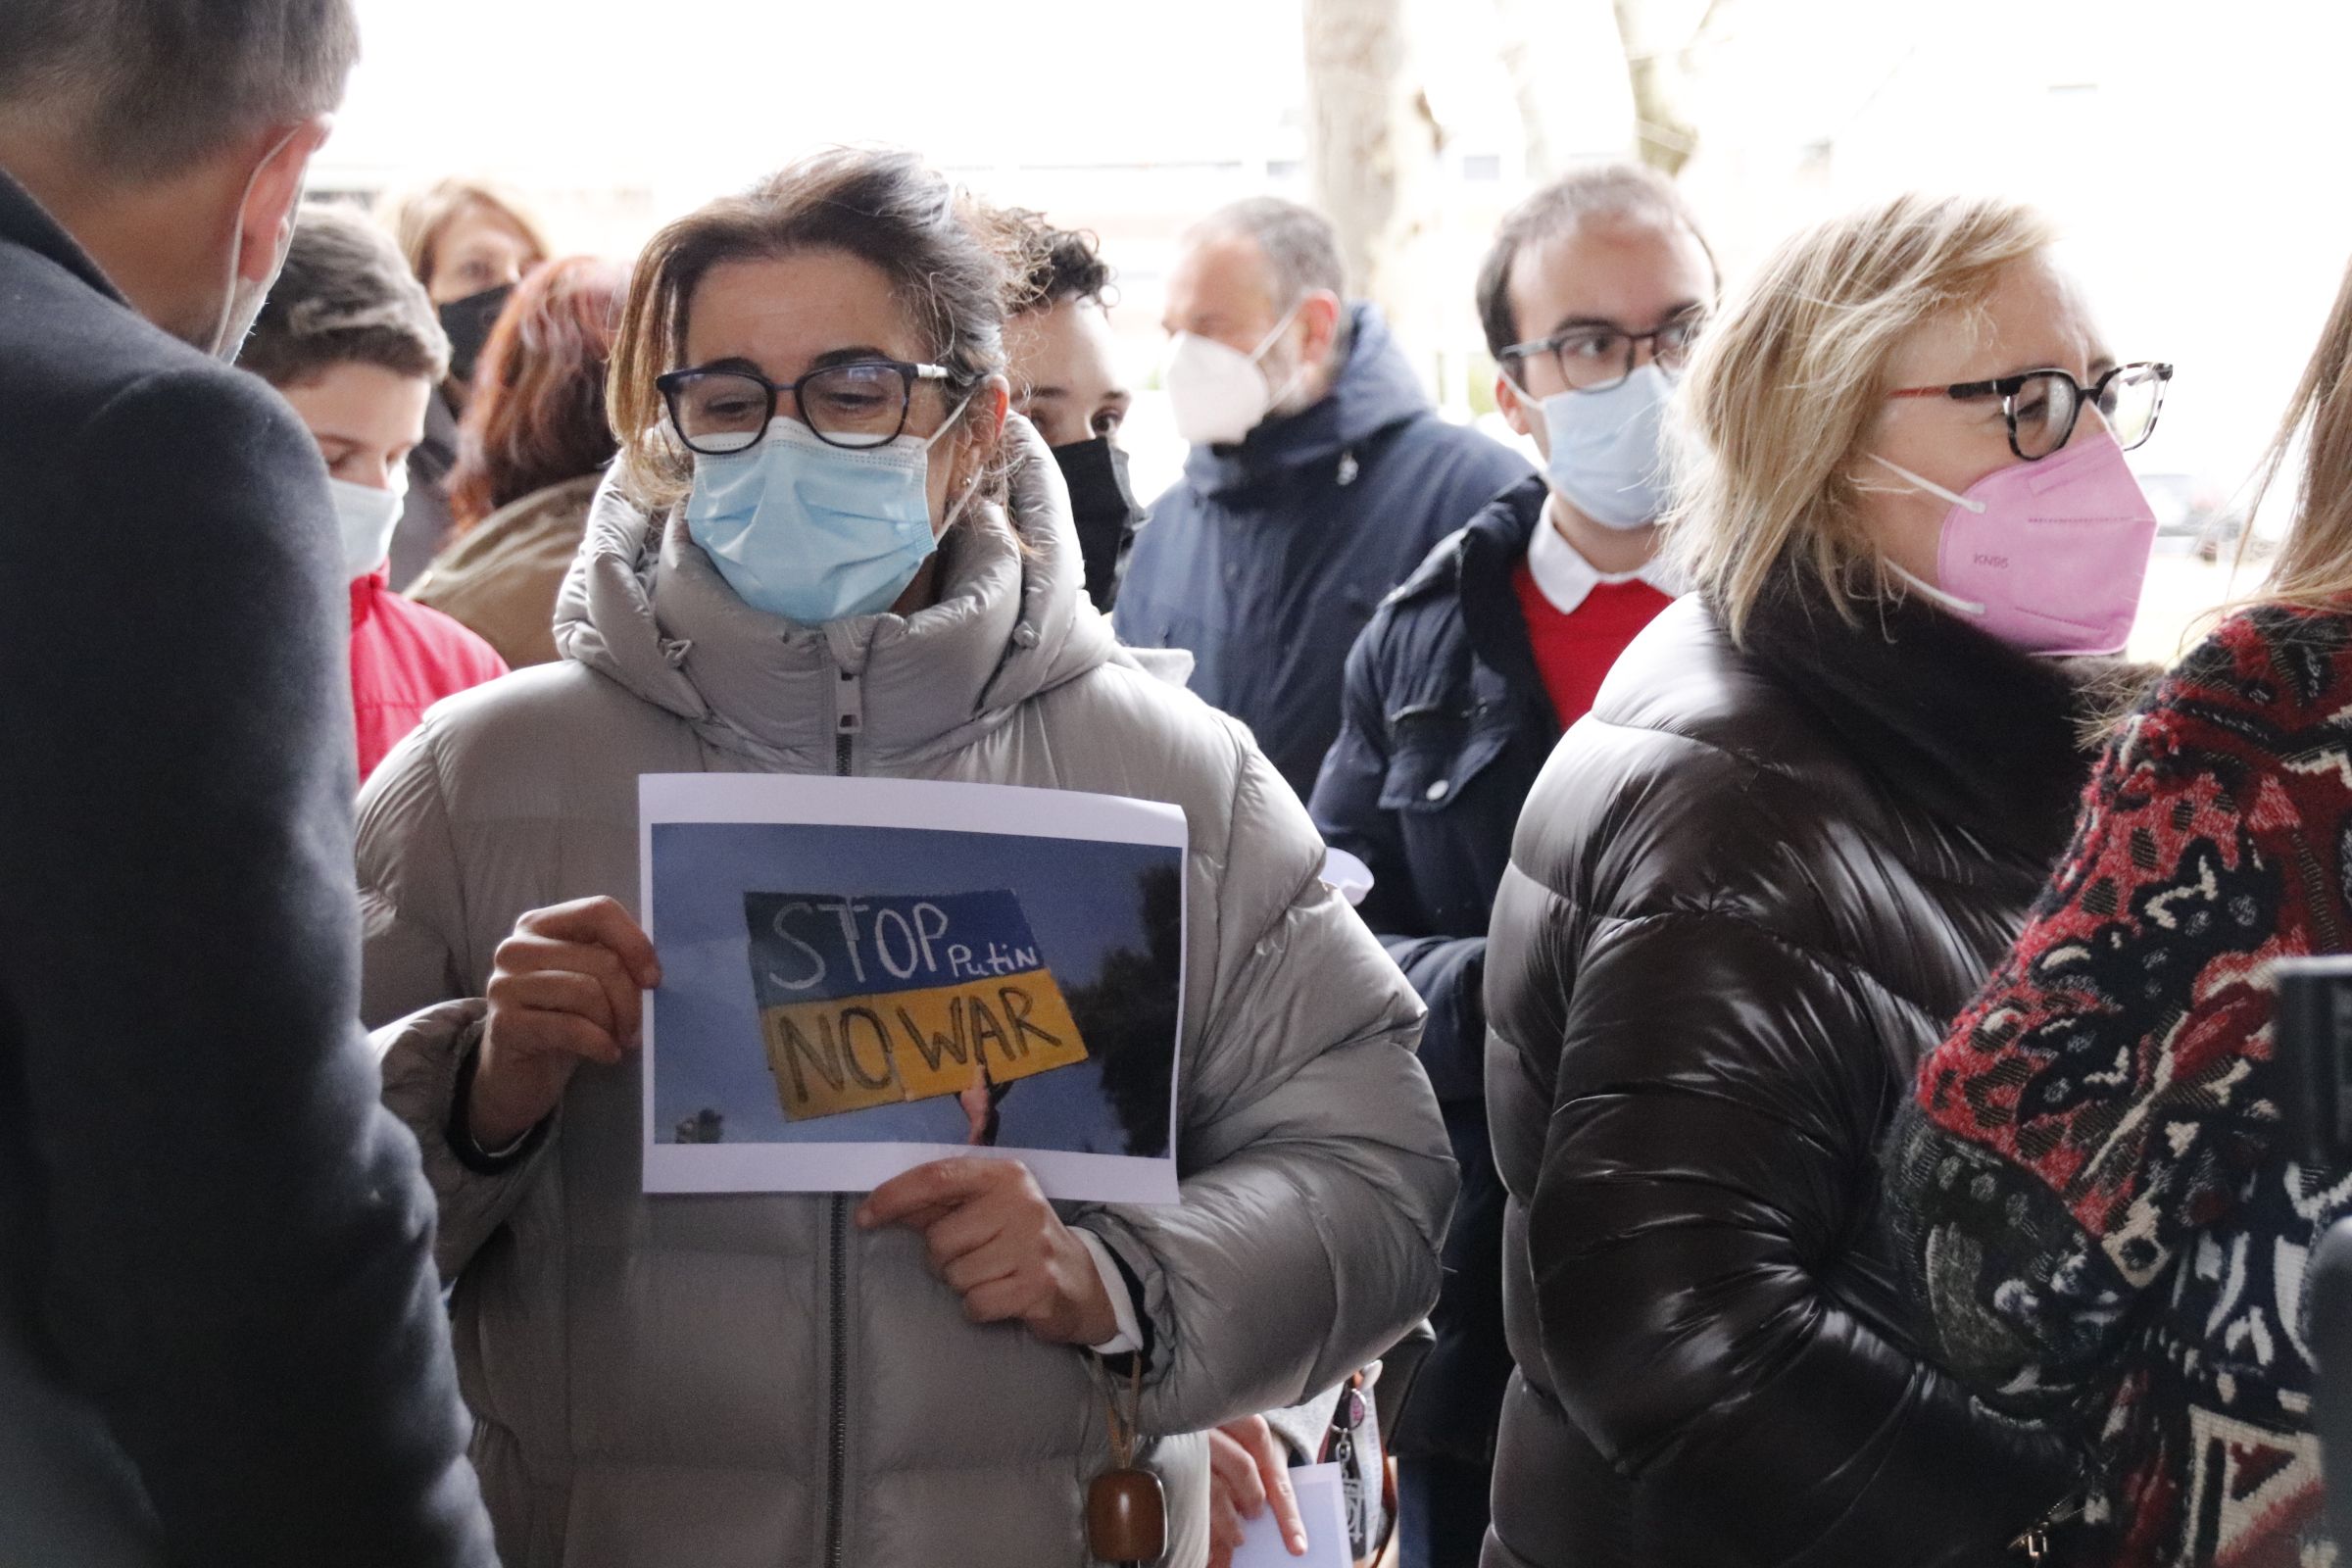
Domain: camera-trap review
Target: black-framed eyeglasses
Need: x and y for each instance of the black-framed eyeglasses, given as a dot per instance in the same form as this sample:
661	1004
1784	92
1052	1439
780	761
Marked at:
1595	359
2041	407
861	403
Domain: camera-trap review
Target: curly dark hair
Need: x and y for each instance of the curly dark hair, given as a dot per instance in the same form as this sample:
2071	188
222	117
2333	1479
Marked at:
1049	265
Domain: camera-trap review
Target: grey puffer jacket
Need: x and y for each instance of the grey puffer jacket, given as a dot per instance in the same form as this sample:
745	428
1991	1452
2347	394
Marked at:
747	1380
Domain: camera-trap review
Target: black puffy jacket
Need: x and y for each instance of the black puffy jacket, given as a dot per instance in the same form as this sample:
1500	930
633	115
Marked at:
1748	893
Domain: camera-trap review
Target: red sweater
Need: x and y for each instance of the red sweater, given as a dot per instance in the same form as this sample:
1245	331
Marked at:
2100	1207
404	658
1575	649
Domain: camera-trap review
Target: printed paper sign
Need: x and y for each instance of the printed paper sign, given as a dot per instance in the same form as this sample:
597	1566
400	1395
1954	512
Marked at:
860	976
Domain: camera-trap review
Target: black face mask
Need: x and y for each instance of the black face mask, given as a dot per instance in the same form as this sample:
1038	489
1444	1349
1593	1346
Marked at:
468	322
1105	512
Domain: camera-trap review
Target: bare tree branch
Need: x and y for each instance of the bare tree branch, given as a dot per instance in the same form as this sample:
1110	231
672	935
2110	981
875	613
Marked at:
1704	32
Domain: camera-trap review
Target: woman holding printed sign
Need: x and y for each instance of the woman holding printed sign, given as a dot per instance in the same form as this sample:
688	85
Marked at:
825	551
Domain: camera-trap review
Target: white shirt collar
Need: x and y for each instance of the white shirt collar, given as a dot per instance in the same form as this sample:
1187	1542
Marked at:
1567	579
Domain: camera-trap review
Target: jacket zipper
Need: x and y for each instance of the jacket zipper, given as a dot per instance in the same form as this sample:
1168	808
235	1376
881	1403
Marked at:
2035	1545
849	719
838	1476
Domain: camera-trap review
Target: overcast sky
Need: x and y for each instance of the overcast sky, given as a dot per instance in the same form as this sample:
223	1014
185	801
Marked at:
2193	150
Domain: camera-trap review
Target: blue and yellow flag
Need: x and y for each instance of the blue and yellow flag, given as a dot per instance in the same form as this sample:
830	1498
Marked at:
868	1001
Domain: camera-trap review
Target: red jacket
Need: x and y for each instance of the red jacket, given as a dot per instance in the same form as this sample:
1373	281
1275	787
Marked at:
404	658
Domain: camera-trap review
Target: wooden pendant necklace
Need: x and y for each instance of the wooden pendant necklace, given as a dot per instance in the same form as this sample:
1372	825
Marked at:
1126	1507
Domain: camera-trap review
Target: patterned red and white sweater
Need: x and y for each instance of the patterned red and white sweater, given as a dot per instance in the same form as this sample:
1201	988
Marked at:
2091	1190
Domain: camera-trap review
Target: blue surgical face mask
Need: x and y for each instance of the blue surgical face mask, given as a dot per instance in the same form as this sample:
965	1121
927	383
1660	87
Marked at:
1608	449
813	532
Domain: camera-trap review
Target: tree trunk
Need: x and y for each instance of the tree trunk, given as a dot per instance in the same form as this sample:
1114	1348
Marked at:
1522	67
1662	134
1372	149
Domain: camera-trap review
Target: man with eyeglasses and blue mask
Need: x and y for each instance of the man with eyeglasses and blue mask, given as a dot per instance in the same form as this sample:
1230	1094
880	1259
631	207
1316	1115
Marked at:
1591	297
1319	477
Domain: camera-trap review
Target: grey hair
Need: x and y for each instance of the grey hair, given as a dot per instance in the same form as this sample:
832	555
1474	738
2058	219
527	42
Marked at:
1601	190
145	89
1301	247
346	297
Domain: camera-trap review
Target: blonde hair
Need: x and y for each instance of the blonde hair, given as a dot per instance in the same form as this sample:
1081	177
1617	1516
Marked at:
417	219
1790	381
2314	565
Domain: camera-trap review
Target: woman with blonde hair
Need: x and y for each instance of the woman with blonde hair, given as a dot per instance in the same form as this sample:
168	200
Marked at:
1806	814
827	550
2102	1215
471	243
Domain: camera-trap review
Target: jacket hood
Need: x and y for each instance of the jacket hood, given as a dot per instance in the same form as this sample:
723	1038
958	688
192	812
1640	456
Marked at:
643	607
1376	389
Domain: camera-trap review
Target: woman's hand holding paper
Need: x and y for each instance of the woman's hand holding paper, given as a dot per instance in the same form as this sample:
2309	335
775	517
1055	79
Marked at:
997	1241
566	988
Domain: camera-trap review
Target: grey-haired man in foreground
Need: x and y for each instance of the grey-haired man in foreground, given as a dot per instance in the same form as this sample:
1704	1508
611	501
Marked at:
221	1338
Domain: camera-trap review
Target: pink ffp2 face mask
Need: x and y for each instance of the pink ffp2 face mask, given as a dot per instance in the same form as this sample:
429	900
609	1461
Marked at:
2049	556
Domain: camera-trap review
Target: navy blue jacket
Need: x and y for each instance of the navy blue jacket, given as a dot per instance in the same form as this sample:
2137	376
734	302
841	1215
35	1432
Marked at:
1443	729
1446	725
218	1301
1267	558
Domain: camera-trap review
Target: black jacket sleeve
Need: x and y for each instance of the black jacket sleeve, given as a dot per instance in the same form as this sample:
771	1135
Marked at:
1715	1317
1447	973
238	1242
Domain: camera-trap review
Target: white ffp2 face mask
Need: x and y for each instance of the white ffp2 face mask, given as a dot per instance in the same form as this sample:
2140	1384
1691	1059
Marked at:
242	305
1217	393
366	517
1608	449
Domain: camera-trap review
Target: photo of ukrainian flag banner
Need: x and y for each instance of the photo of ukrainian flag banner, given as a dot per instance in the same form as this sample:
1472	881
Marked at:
863	975
868	1001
